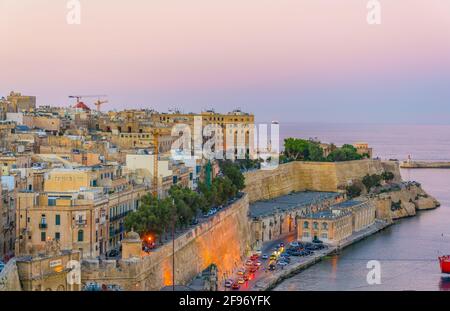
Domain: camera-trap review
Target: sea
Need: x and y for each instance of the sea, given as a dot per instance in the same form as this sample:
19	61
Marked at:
406	252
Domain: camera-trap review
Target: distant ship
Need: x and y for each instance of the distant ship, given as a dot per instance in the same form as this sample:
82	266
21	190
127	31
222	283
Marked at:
444	261
275	122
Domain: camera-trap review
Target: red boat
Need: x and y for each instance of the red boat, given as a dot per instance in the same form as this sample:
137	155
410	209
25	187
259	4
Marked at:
445	264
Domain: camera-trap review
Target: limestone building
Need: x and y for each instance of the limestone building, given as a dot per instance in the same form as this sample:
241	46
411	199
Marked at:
272	218
16	102
82	208
233	131
363	148
336	223
329	226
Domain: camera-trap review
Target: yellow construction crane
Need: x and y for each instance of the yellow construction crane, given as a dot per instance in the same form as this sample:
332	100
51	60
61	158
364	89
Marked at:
155	133
99	103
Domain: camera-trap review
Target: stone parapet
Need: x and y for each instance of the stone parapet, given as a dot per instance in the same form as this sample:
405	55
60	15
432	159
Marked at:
224	239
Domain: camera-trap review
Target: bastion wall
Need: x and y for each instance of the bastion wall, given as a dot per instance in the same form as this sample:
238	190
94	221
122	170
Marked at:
314	176
223	240
404	202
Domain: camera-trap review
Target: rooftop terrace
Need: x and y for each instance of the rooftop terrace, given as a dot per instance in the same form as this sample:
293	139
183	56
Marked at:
289	202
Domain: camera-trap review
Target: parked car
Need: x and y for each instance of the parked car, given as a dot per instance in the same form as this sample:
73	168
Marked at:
257	252
194	222
296	253
317	241
249	262
254	257
265	256
228	283
241	271
257	263
313	247
294	244
246	277
112	253
235	285
92	287
253	269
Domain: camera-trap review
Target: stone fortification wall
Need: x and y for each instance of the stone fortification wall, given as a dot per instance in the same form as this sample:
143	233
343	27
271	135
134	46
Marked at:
404	202
223	240
9	277
314	176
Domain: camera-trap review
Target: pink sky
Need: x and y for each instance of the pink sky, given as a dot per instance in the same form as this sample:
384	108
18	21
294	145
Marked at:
145	51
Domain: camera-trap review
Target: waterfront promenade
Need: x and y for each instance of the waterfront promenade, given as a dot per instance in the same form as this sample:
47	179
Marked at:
266	280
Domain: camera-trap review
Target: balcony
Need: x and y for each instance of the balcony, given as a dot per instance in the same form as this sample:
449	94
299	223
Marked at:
43	226
81	222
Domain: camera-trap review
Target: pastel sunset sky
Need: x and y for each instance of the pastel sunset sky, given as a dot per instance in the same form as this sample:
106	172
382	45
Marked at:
289	60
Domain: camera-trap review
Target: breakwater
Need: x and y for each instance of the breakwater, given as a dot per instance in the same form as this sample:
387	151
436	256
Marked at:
423	164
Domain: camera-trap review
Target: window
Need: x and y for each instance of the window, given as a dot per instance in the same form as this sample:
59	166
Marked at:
306	225
57	219
57	236
43	236
80	235
306	234
324	236
325	226
316	225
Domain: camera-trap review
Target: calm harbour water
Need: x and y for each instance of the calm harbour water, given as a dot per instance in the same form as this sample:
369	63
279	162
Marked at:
407	250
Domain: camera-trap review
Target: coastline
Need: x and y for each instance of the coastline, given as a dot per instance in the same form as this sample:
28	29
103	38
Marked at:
271	281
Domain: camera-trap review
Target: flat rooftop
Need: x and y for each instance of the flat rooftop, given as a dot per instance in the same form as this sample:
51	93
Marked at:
328	214
347	204
361	203
289	202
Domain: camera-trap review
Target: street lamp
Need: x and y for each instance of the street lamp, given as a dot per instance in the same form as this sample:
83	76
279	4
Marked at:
173	243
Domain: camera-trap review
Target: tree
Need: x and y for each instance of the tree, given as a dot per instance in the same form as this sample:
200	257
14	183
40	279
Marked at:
387	176
232	171
296	149
187	203
345	153
315	152
152	216
353	191
300	149
371	181
209	194
225	190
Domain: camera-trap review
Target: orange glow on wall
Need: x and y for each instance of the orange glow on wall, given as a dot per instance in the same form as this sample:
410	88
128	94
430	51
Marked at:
167	273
